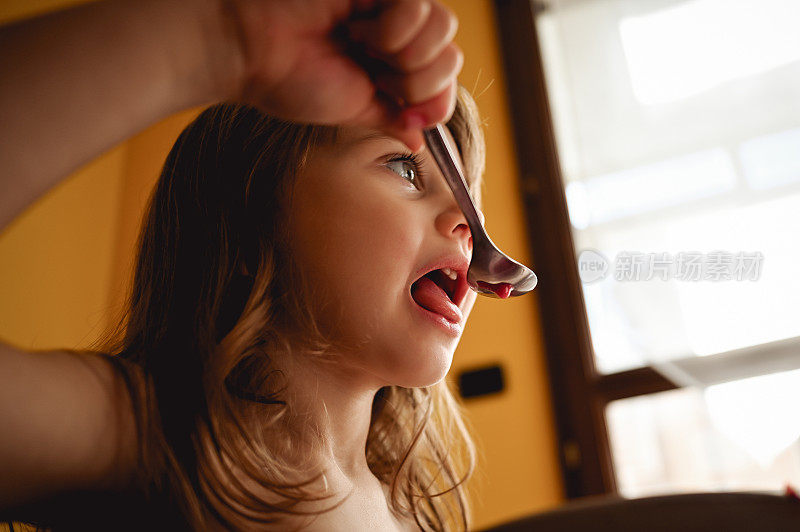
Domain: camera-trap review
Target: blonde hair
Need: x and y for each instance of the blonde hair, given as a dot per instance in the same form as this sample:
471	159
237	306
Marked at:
195	340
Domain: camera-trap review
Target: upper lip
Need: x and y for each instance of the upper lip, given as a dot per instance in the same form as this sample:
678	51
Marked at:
460	265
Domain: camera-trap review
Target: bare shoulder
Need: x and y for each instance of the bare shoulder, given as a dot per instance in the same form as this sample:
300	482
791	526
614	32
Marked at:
71	424
359	511
364	512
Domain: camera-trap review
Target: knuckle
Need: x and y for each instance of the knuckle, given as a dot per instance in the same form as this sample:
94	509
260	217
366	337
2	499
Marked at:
413	88
407	59
452	58
421	85
459	58
420	54
422	8
413	57
424	86
450	23
401	23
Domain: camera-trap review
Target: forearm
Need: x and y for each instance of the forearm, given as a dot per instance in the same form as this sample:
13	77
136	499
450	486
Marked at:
75	83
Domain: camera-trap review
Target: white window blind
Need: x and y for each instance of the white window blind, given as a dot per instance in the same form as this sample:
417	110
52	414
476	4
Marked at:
678	129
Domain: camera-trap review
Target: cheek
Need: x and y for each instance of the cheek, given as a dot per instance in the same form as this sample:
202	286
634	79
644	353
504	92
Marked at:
472	296
377	254
358	253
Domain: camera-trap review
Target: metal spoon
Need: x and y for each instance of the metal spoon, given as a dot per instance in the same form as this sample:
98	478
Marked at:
491	272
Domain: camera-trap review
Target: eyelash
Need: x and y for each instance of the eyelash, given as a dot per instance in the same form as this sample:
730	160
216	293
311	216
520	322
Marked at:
415	160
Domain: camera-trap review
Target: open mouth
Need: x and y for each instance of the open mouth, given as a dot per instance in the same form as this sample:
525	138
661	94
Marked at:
439	292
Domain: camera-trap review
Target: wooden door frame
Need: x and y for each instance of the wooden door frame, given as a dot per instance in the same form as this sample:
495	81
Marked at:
579	393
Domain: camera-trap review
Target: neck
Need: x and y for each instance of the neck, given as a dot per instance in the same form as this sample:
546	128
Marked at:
330	403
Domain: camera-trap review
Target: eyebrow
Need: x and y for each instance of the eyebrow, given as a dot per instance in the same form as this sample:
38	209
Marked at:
378	136
375	135
382	137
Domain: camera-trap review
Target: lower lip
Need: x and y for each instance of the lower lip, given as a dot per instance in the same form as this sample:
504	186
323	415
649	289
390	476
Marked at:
454	329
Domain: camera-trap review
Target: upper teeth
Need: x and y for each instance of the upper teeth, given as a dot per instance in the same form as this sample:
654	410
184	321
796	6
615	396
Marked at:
450	273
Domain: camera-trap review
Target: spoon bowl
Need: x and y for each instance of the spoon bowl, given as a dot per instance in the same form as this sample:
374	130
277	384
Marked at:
491	272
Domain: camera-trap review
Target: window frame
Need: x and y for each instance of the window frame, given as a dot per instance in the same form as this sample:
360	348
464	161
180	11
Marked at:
579	393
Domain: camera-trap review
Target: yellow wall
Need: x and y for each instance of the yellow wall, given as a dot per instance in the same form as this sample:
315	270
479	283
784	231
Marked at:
65	262
55	259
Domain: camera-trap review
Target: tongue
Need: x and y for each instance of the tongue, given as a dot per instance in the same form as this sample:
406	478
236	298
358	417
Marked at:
430	296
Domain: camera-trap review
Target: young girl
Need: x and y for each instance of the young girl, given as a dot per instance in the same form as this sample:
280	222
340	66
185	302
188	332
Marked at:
278	366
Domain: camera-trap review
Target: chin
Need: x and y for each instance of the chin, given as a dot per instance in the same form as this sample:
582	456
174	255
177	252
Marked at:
427	372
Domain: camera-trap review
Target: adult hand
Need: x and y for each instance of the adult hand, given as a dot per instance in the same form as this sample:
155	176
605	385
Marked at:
385	64
79	81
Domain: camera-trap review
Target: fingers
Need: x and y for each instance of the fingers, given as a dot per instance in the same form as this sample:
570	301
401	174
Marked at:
437	109
394	28
408	126
411	33
414	39
432	39
423	84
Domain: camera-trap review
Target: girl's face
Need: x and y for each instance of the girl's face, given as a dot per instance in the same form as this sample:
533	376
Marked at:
367	220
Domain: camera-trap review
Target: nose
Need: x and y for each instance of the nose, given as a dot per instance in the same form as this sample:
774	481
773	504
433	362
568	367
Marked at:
452	224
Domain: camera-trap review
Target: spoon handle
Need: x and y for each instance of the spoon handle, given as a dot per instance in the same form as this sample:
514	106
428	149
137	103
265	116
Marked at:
445	155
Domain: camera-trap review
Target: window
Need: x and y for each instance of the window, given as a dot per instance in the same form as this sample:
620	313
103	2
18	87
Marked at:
659	146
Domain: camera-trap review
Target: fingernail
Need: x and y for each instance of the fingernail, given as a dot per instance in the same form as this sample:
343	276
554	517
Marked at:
414	120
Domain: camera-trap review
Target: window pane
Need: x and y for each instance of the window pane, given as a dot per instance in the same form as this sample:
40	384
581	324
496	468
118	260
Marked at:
771	160
679	147
644	322
741	435
647	188
720	41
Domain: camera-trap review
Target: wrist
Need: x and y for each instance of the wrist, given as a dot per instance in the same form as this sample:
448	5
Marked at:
211	67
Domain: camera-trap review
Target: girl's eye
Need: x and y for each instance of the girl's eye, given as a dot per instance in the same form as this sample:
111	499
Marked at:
407	167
